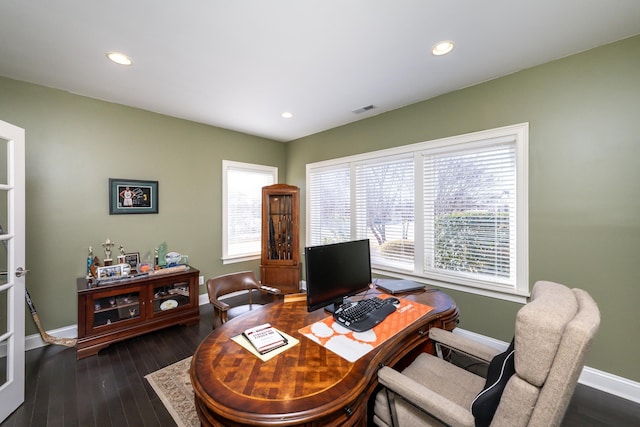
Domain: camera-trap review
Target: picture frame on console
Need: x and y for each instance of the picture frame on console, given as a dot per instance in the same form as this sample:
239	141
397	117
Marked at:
110	272
131	196
133	259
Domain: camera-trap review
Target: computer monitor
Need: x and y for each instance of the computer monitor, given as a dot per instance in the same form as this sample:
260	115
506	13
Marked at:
336	271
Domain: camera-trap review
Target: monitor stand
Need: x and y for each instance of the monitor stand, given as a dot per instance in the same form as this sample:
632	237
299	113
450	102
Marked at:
331	308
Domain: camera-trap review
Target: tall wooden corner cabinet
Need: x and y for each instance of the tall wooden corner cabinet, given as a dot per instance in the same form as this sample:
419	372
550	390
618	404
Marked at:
280	260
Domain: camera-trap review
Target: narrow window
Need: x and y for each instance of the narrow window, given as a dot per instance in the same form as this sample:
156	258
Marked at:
242	208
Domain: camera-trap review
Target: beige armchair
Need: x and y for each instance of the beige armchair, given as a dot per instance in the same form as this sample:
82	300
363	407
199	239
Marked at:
552	335
235	282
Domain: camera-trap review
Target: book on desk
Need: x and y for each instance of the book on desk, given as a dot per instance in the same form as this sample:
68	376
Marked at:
265	338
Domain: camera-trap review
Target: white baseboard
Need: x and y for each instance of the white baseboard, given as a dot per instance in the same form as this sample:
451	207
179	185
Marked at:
600	380
35	340
610	383
203	299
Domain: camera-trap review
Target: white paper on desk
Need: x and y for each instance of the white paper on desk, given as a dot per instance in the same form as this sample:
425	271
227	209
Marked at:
348	348
340	343
240	339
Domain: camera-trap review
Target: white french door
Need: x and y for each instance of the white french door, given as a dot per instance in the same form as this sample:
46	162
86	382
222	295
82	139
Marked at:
12	268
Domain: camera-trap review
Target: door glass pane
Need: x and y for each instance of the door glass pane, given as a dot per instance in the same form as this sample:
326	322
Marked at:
4	327
4	312
3	226
280	216
168	297
117	308
3	215
3	263
3	161
3	365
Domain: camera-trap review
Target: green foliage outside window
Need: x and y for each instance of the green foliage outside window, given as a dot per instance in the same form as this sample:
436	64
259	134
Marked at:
398	250
474	242
471	242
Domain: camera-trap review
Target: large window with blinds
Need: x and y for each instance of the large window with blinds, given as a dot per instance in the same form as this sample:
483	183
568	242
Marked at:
451	212
242	208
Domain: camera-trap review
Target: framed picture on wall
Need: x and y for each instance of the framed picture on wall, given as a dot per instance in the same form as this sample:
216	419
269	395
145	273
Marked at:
131	196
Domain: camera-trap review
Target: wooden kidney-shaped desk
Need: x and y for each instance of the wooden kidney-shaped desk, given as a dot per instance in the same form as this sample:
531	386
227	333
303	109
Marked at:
307	385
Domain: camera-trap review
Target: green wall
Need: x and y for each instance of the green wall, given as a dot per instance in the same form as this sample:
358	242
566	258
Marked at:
584	180
74	145
584	183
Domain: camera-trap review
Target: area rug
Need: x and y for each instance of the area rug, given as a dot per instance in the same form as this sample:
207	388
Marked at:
173	386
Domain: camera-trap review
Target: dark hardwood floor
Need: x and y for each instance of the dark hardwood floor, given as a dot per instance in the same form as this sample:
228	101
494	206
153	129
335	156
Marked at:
110	390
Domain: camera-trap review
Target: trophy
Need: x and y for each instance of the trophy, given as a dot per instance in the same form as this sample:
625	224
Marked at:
107	252
121	257
89	260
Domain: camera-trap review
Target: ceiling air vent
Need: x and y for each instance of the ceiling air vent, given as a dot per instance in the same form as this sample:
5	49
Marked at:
363	109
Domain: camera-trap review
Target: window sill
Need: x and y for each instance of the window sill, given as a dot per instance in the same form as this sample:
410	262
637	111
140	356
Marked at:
511	296
239	258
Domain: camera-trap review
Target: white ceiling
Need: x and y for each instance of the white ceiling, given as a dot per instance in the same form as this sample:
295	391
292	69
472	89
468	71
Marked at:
238	64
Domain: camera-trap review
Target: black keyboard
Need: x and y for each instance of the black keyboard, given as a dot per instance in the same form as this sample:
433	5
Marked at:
365	314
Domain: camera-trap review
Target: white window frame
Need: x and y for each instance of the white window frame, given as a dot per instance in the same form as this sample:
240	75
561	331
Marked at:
519	290
228	165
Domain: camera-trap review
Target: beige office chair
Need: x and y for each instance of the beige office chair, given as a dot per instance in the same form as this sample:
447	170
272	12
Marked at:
552	335
229	283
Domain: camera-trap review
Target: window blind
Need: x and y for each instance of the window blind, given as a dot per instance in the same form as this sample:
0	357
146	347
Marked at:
244	209
329	205
384	203
469	211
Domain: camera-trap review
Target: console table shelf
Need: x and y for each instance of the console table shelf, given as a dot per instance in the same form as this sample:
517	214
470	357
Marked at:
112	312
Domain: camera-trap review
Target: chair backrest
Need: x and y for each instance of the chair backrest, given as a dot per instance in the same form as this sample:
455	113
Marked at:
233	282
552	335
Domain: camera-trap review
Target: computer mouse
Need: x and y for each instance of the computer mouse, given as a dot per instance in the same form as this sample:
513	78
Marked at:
394	301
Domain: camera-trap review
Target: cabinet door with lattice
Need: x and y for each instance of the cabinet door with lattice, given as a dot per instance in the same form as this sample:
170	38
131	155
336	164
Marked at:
280	258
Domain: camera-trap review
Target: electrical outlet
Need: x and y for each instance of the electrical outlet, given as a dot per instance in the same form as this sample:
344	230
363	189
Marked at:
201	280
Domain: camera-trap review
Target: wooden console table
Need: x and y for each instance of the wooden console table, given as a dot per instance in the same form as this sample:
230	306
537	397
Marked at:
307	385
112	312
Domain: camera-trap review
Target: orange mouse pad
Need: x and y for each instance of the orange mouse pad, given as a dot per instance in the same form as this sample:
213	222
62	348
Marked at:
352	345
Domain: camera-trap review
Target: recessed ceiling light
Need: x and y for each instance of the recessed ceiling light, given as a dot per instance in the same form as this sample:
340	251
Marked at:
442	48
119	58
286	115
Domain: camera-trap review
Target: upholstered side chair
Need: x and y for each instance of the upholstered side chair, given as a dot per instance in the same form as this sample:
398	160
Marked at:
529	385
221	286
